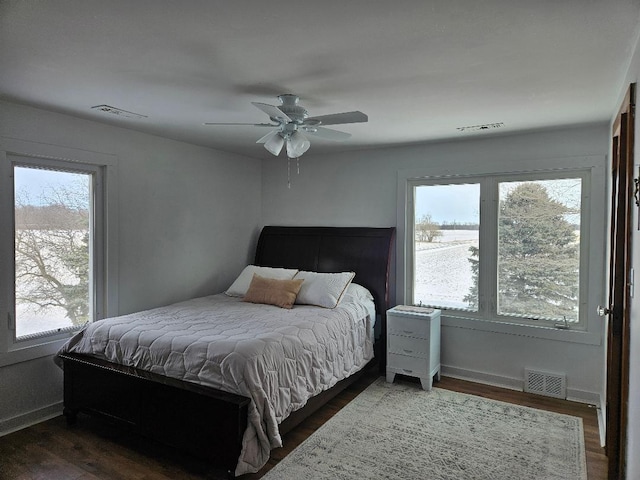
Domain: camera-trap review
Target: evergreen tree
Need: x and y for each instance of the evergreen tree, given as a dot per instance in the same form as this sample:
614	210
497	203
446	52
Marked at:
537	256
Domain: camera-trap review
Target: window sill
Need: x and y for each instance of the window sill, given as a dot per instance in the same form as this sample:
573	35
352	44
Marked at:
45	348
544	332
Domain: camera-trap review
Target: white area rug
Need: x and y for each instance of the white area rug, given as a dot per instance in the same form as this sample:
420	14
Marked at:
398	431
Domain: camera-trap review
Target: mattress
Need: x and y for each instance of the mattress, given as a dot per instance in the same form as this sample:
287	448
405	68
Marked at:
278	358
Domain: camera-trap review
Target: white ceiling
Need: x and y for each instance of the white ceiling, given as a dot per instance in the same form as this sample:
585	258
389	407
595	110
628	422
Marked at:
418	68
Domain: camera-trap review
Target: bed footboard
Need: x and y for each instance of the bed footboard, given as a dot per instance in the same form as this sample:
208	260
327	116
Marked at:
200	420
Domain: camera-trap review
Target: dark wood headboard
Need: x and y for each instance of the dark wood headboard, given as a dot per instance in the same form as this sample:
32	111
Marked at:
365	251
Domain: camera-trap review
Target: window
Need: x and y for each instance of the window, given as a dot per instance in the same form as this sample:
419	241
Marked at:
54	247
58	244
58	249
500	247
446	226
539	249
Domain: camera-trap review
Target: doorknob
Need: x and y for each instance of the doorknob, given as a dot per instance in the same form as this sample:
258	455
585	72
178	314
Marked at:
603	311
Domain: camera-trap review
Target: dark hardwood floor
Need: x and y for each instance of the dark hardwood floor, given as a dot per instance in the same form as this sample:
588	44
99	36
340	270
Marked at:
92	449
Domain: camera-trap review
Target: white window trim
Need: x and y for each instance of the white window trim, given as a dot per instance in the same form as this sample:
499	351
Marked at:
97	260
13	352
596	226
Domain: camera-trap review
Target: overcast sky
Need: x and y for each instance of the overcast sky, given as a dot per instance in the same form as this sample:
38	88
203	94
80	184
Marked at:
460	203
449	203
35	181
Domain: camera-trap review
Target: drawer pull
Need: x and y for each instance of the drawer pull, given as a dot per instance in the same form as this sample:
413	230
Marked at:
408	332
407	351
407	370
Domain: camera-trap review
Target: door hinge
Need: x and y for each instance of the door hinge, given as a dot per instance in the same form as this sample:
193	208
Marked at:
10	323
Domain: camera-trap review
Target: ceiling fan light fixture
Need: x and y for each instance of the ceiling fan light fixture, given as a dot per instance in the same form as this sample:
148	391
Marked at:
274	145
290	119
297	144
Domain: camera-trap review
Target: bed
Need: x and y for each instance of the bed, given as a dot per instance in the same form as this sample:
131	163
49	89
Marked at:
214	421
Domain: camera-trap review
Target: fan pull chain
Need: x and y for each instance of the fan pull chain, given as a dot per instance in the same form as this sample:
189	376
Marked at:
289	169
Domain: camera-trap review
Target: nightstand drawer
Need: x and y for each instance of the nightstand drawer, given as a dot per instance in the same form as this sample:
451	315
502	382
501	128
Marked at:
408	346
416	367
408	326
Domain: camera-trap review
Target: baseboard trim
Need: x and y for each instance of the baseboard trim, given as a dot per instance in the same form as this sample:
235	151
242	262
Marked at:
602	422
28	419
583	397
25	420
574	395
481	377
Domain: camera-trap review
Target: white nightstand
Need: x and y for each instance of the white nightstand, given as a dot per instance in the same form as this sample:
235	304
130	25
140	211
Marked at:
413	343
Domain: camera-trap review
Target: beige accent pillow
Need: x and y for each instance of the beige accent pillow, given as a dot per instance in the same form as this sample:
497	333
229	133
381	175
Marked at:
271	291
240	286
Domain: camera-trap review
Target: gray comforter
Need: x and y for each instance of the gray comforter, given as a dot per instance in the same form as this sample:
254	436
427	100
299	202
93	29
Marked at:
279	358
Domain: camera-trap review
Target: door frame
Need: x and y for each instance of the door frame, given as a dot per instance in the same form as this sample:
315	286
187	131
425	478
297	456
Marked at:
618	331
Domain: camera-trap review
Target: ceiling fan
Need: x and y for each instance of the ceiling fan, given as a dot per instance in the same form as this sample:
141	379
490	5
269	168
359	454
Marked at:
291	120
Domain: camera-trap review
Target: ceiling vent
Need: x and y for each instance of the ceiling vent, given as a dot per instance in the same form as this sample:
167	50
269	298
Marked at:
117	111
477	128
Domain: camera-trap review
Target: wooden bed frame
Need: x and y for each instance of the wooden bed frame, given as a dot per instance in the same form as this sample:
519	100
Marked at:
210	423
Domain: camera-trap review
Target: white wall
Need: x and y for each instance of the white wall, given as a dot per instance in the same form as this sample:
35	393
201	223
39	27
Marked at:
360	188
188	223
189	217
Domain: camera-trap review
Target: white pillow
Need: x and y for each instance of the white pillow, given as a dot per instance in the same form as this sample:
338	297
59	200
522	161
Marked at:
241	285
359	292
323	289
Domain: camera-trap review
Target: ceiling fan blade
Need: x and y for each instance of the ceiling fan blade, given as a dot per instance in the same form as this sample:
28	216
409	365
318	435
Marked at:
273	112
338	118
246	124
328	134
267	137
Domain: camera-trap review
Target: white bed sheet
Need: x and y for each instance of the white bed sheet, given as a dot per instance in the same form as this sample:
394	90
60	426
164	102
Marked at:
279	358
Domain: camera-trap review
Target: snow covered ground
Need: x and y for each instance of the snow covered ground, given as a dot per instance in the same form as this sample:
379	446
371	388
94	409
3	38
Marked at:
442	269
29	322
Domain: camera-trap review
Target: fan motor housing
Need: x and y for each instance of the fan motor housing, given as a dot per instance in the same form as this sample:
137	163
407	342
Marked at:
295	112
290	107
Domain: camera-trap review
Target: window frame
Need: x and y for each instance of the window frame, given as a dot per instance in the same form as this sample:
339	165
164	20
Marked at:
585	207
412	184
593	225
104	166
96	297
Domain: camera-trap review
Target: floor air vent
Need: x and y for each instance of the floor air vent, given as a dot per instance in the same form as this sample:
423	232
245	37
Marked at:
544	383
